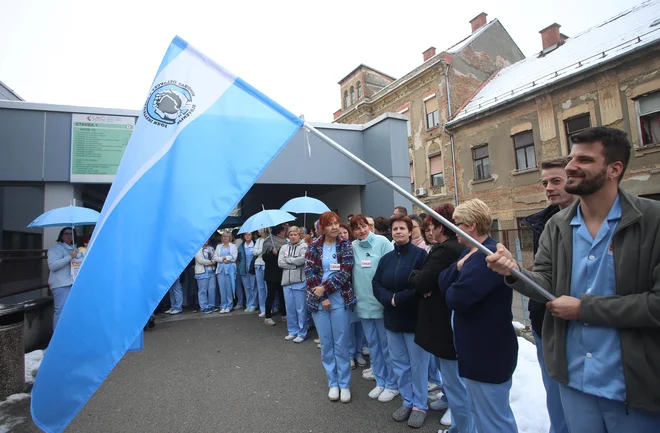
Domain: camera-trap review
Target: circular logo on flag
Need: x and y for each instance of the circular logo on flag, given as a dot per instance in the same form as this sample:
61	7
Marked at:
169	103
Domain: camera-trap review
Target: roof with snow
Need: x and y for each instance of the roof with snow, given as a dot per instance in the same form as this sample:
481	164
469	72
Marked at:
622	34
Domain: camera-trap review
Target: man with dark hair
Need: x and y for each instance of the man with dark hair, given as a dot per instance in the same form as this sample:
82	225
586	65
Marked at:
553	179
400	210
601	258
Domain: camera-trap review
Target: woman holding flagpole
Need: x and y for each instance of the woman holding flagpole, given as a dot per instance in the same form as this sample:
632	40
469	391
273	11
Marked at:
330	297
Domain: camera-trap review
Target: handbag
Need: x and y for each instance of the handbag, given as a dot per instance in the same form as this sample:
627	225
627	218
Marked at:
251	269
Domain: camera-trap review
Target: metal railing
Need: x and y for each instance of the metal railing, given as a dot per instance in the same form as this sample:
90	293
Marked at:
22	271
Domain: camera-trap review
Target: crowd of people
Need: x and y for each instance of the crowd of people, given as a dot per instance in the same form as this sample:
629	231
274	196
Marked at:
433	313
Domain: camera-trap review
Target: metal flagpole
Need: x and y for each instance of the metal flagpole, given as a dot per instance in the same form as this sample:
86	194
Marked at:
421	204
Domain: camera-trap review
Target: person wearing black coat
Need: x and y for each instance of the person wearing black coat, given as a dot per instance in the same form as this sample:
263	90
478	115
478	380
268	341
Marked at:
391	288
434	330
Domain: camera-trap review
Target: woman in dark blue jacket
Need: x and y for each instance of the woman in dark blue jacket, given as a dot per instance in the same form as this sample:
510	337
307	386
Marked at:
390	283
486	343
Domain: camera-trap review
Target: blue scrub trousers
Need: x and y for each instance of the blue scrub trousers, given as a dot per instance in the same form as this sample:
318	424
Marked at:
250	286
489	403
60	295
379	353
296	309
589	413
434	371
357	338
238	291
205	292
176	295
411	366
226	292
457	398
553	397
262	290
333	327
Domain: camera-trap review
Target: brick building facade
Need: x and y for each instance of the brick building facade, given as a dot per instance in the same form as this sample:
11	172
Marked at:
427	95
608	75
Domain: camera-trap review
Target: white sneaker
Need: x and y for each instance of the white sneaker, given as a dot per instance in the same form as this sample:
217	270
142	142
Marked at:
317	340
387	395
376	392
352	364
269	322
318	345
345	395
360	361
169	311
367	370
289	337
433	386
262	315
298	340
446	418
333	394
435	396
368	375
365	351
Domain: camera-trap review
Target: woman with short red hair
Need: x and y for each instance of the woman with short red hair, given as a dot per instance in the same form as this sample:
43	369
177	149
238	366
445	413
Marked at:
328	267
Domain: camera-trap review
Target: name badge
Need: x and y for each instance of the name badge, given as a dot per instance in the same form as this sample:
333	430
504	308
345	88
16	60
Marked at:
365	263
335	267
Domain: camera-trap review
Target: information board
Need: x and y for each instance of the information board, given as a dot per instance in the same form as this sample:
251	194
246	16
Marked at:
98	143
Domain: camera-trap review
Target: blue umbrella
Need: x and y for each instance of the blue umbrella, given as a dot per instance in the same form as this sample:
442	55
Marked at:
305	205
265	218
68	216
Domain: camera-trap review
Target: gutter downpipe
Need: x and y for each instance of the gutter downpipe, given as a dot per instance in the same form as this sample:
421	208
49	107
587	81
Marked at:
451	135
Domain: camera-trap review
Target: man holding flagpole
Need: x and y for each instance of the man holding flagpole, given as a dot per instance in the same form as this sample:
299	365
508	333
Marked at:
601	258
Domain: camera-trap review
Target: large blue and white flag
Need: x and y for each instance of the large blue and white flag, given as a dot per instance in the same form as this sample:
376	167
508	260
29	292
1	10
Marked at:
198	119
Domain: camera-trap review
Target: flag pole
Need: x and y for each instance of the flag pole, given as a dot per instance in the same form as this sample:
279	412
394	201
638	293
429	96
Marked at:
421	204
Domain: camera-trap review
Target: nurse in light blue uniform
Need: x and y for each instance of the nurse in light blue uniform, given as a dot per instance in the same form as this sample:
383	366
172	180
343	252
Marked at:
328	267
225	256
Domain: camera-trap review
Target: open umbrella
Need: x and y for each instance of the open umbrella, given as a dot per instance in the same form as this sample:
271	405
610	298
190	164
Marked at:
265	218
67	216
305	205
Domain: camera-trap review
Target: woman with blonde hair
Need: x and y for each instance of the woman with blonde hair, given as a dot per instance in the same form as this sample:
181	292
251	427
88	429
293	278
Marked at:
291	259
225	256
486	343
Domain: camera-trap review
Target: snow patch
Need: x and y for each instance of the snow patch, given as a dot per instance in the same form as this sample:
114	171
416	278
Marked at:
32	363
527	392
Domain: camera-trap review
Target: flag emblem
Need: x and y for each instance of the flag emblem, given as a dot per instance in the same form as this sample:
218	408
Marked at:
169	102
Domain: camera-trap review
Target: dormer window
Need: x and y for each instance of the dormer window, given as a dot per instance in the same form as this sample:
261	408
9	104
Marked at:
352	95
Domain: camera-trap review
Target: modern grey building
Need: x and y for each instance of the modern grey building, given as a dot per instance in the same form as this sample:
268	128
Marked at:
37	156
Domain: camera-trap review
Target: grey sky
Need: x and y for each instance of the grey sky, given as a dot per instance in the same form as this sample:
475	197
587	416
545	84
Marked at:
105	54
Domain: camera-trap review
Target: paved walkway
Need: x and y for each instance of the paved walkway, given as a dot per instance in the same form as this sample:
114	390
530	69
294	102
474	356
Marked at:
227	373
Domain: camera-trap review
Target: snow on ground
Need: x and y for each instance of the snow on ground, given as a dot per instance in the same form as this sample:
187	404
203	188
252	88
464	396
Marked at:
527	392
32	363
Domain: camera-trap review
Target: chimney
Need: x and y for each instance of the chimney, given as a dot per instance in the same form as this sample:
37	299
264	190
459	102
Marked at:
551	36
429	53
478	22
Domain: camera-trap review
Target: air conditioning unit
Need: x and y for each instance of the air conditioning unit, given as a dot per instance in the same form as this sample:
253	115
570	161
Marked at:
420	192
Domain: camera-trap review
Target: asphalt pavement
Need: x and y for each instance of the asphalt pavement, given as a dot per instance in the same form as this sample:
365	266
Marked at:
228	373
